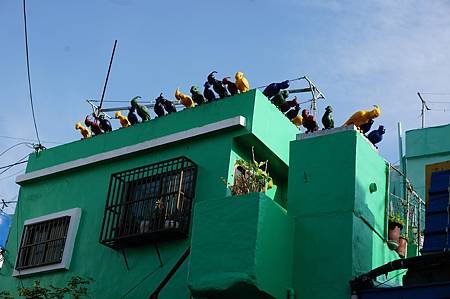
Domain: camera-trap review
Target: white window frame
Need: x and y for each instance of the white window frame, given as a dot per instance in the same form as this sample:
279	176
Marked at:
75	215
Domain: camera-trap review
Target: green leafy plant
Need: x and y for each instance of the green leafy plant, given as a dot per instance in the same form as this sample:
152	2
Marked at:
396	218
250	177
77	287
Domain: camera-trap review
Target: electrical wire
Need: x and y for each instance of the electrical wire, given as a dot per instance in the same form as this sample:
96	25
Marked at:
14	164
27	139
28	71
15	145
437	93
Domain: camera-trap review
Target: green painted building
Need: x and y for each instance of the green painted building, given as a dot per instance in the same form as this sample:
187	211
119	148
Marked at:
144	210
425	146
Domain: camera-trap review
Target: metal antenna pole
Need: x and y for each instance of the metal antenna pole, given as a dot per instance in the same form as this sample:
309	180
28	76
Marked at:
424	107
107	76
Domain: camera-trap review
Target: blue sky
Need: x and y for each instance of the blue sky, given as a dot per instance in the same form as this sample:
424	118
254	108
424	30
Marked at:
359	53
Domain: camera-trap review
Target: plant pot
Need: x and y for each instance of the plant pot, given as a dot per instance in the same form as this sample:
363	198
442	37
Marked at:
402	244
394	231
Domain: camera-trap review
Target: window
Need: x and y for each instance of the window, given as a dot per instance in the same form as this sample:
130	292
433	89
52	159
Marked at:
149	203
47	242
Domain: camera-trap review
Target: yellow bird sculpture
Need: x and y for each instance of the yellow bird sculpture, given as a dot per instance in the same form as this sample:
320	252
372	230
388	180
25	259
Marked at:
242	82
83	130
297	121
184	99
122	119
362	117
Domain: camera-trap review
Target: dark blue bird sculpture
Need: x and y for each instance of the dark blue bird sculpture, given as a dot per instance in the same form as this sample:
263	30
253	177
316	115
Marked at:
105	124
376	135
293	112
159	107
217	85
208	93
169	106
365	128
274	88
132	117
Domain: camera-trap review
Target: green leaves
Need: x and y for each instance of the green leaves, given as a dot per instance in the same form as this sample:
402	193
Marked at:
76	288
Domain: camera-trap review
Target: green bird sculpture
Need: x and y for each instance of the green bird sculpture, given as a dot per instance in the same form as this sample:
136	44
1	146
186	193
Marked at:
280	98
197	96
327	118
141	110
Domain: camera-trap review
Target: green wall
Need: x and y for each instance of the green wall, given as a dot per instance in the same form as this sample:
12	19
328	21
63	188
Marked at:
423	147
339	224
241	248
86	188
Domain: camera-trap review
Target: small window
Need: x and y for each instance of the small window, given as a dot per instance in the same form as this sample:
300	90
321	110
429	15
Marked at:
47	242
149	203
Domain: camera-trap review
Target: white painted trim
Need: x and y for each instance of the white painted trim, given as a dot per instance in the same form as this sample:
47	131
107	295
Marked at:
75	215
239	121
325	132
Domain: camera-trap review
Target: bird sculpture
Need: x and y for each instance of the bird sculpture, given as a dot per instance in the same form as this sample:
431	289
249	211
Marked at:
288	105
280	98
104	124
217	85
231	86
93	125
363	116
293	112
169	106
208	93
309	121
83	130
327	118
365	128
376	135
184	99
132	117
159	106
141	110
241	82
197	96
297	121
122	119
274	88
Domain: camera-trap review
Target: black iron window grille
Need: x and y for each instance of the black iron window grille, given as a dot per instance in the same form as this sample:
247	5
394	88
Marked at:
149	203
43	243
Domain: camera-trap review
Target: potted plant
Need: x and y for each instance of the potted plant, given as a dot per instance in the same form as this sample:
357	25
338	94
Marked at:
250	177
396	224
402	244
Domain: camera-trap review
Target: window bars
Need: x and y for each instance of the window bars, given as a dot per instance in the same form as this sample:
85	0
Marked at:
149	203
43	243
408	205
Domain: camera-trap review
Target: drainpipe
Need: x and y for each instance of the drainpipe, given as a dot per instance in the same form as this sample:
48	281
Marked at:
400	156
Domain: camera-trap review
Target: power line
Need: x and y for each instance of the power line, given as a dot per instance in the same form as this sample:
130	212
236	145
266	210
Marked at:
437	93
28	71
27	139
14	164
15	145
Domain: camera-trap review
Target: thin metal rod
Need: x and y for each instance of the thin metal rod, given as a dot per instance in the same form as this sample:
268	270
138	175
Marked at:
107	75
28	71
424	106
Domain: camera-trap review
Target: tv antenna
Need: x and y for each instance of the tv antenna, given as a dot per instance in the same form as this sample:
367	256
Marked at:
316	94
424	108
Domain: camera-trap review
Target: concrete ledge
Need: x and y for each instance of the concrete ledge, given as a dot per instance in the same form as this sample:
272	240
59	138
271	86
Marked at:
325	132
237	121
